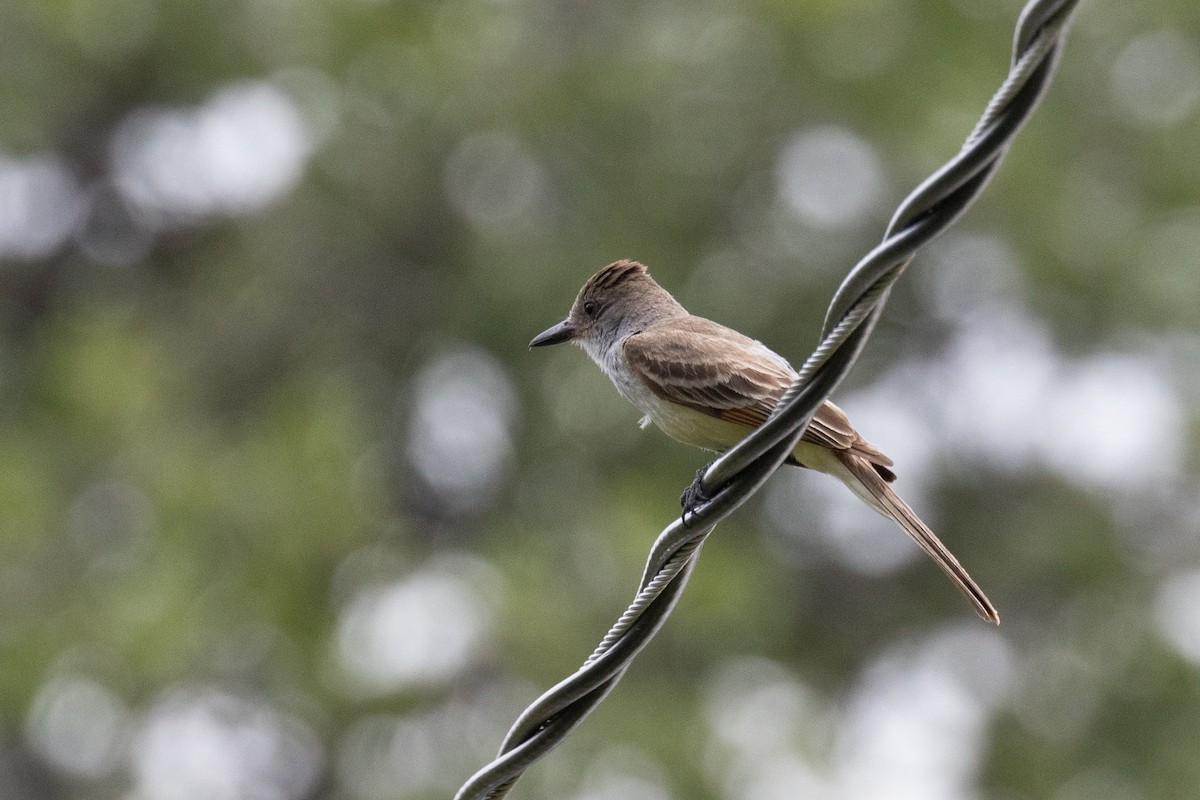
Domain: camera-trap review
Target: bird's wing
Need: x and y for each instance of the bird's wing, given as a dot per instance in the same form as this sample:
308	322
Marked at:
710	368
705	366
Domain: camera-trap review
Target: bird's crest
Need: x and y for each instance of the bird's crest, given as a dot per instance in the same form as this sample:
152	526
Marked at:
615	273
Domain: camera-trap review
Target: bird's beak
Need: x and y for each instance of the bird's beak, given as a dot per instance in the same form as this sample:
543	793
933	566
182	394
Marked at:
562	332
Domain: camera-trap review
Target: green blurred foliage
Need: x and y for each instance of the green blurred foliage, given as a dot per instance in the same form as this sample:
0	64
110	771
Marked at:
288	511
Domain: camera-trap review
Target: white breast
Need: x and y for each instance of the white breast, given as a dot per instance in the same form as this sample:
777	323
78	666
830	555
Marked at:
681	423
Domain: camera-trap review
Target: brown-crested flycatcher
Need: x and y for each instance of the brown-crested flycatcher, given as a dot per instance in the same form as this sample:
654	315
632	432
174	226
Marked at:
707	385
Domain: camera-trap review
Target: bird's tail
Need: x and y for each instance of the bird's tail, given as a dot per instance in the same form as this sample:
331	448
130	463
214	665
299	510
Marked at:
871	487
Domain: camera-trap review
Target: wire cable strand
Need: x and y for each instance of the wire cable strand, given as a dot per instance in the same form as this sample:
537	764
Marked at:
734	477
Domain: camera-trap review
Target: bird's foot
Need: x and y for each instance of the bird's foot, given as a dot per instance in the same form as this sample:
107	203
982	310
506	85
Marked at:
695	495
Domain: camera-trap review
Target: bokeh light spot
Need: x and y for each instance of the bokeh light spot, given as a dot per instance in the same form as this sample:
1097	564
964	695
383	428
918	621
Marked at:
208	744
494	181
422	629
1177	612
40	204
238	152
1156	78
459	435
77	725
829	177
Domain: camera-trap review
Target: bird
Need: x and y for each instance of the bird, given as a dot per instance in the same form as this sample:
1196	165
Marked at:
707	385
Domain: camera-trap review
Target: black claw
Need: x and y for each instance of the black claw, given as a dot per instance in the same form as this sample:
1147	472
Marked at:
694	496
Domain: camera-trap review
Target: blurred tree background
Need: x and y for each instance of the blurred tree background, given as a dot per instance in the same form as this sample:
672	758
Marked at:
288	511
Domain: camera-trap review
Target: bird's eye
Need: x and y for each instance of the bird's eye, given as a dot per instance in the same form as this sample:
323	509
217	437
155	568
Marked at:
589	308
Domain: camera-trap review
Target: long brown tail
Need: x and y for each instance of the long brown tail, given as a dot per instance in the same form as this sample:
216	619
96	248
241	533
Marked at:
888	503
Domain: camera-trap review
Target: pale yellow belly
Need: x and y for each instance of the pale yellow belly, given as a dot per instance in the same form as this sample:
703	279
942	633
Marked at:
711	433
692	427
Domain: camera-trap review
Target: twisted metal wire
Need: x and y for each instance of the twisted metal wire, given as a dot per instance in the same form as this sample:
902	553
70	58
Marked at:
736	476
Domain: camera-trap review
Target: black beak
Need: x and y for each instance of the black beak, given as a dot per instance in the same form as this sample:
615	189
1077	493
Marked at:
562	332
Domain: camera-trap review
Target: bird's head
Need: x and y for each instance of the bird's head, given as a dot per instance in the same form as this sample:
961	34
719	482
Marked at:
617	301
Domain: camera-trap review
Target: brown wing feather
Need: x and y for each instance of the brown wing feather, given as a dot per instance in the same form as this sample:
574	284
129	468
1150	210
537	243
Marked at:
716	370
705	366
